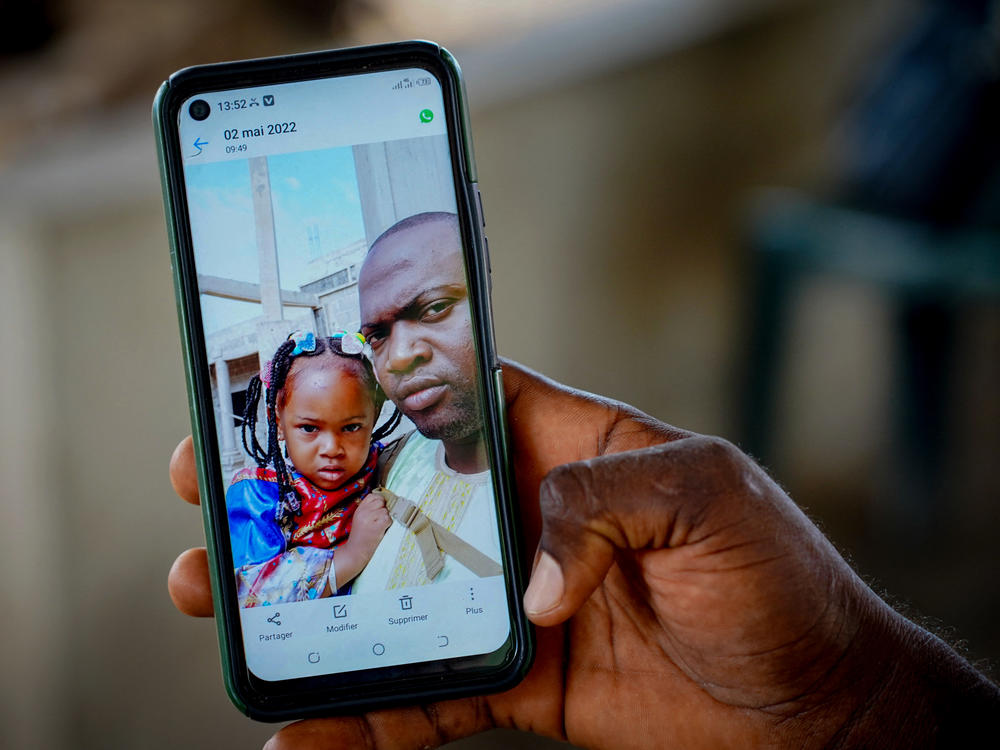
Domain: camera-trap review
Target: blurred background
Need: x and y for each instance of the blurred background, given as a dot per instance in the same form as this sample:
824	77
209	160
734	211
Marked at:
772	220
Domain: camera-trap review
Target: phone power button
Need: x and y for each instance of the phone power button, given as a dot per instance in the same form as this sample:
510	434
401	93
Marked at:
479	204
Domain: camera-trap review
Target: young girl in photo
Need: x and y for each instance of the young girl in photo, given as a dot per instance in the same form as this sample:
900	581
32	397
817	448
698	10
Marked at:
302	524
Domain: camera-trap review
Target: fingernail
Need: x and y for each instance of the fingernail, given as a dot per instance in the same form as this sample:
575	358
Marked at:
545	591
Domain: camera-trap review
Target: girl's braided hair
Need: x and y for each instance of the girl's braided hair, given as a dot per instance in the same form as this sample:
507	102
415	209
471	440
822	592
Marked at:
275	394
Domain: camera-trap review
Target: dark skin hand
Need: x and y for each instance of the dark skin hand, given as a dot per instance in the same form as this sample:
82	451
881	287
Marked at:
685	602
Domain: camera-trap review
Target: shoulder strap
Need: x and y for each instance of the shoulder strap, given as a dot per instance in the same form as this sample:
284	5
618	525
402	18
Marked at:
433	539
389	454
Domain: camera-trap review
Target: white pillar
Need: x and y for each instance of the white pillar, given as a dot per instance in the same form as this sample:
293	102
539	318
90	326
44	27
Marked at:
271	329
225	406
402	178
267	248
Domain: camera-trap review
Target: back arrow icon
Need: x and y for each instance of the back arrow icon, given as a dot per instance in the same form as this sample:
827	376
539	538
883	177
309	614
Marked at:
198	143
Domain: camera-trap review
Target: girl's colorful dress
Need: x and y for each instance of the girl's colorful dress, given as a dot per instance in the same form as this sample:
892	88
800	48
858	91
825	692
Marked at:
284	550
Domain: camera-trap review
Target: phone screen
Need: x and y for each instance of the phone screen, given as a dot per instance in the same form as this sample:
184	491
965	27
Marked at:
320	210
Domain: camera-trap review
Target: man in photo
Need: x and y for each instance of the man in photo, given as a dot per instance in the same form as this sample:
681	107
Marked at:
415	315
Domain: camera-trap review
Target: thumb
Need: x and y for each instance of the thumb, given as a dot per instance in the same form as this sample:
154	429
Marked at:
574	553
580	532
646	499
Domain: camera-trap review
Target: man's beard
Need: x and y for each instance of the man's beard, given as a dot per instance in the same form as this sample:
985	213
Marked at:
458	423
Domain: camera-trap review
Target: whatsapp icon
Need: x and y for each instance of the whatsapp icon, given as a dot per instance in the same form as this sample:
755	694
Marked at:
426	115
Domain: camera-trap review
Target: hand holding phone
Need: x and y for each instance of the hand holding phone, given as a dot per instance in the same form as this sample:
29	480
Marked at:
652	655
692	581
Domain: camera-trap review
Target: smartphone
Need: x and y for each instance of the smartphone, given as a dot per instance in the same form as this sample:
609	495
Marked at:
332	280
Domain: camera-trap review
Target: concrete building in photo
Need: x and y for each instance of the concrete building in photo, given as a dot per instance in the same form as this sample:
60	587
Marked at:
395	180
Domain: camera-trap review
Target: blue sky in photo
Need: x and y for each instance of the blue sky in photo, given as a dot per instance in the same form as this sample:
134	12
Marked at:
312	192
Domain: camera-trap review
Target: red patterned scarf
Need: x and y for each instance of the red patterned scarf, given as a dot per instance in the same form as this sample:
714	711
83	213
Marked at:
324	516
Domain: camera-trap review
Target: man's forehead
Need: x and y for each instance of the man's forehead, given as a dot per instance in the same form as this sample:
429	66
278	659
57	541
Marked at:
399	267
413	244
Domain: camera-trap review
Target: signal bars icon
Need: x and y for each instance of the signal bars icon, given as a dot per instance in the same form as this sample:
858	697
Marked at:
408	83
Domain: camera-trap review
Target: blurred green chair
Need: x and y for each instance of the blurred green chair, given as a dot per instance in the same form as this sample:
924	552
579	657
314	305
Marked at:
928	274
